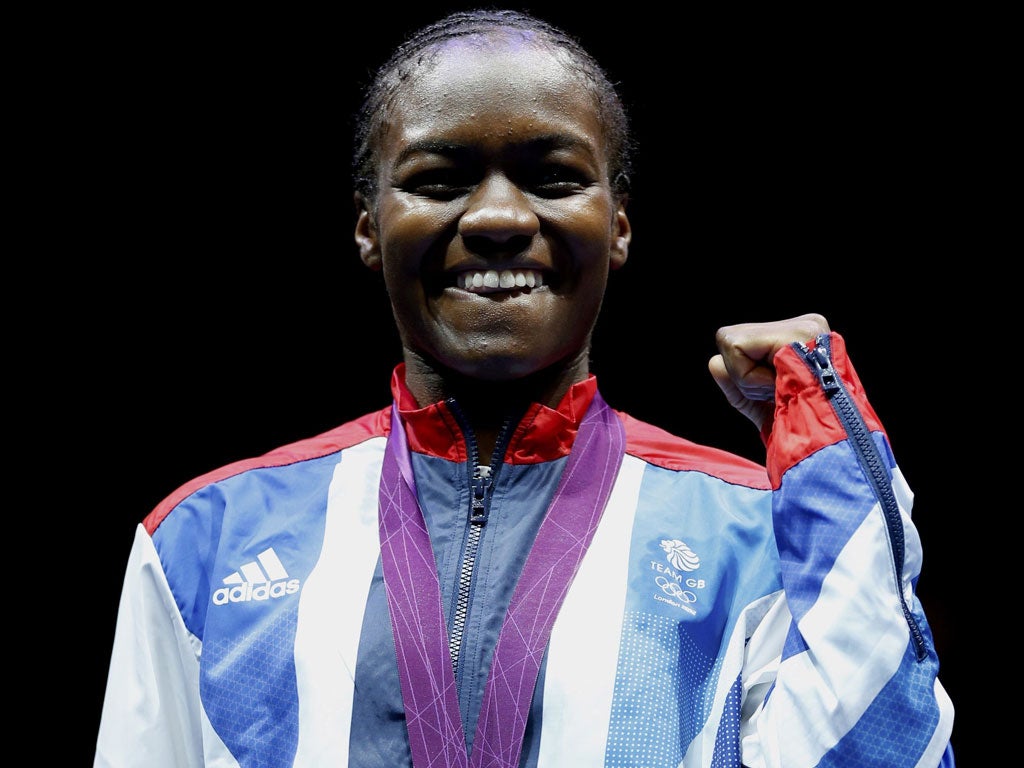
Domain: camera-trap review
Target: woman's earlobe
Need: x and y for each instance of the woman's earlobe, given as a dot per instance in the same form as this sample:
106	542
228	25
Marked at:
366	240
620	239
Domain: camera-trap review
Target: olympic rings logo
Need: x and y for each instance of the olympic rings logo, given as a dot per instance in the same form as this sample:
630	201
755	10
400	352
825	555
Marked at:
672	589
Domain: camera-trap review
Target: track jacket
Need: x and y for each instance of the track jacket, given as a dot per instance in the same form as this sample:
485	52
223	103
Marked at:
604	594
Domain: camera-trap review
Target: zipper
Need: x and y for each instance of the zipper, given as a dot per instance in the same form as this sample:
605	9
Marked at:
481	483
870	459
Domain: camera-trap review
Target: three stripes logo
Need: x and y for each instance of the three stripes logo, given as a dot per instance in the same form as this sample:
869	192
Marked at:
262	579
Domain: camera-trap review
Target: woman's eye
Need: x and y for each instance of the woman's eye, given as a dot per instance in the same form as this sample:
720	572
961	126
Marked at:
555	181
443	184
550	181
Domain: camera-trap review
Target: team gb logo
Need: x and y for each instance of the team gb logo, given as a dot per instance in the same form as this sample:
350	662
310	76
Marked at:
680	555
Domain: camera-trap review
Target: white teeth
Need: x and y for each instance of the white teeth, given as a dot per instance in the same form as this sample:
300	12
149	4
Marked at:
491	279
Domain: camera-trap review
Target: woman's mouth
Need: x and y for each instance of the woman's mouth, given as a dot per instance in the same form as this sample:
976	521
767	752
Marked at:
492	280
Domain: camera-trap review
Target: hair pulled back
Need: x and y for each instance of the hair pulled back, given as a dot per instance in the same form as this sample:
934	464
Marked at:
423	45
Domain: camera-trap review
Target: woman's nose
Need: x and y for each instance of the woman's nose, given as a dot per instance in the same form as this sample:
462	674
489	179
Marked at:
499	211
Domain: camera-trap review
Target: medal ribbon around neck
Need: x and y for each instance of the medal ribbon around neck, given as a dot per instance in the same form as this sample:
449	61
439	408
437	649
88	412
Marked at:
417	615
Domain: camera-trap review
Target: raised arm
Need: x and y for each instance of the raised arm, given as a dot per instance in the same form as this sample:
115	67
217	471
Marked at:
857	679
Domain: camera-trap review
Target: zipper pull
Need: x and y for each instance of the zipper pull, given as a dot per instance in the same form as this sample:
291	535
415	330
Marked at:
481	483
819	361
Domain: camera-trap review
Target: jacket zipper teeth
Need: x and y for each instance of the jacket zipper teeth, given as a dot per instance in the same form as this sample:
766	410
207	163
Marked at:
481	482
477	518
870	460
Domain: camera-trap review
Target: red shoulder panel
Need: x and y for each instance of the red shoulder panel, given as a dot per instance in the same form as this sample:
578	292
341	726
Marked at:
374	424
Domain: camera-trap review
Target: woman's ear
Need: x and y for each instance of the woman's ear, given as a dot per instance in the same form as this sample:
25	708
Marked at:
622	233
366	234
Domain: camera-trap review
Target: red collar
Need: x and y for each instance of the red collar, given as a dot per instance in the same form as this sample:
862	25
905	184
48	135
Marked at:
542	435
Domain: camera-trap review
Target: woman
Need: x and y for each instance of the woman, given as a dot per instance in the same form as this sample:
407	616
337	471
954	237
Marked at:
500	569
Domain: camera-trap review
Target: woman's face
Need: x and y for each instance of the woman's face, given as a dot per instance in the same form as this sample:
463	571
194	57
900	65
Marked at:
495	225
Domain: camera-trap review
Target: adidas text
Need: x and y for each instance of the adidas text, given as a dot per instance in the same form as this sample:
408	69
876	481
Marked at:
243	593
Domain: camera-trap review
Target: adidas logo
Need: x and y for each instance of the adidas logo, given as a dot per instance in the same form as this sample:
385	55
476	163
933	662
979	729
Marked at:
262	579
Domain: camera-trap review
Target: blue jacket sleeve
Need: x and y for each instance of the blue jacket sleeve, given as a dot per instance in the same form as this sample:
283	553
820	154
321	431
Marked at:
857	683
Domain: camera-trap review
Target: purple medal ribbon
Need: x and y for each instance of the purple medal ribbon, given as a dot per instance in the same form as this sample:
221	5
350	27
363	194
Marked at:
417	615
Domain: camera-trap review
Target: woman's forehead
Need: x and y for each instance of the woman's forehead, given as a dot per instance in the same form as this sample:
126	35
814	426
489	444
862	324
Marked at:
494	94
489	70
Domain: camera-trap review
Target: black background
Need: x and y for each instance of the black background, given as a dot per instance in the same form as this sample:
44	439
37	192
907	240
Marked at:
786	164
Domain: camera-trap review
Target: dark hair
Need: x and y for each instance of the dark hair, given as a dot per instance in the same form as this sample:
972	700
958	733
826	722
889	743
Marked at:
423	44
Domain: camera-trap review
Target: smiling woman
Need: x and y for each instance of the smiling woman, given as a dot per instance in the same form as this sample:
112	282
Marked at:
500	568
445	197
